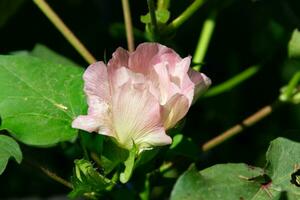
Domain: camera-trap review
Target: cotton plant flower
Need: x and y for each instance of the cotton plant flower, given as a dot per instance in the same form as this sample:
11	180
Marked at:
137	96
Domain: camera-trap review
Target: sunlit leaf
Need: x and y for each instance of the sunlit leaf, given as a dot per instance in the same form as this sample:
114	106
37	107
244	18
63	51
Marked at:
39	99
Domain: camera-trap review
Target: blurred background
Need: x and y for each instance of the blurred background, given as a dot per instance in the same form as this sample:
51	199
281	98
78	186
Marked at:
247	33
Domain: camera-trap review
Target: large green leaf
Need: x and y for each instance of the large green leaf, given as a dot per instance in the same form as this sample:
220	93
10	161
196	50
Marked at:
39	99
45	53
8	148
240	181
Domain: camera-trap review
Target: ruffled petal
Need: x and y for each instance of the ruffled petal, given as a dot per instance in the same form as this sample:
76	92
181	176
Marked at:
119	59
160	84
98	97
147	55
179	75
201	81
136	117
174	110
96	81
87	123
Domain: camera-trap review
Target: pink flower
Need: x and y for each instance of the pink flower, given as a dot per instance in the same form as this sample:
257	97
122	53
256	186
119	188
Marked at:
139	95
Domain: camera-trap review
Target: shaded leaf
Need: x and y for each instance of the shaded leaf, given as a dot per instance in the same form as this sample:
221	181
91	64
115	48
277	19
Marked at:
39	99
162	16
9	148
240	181
87	181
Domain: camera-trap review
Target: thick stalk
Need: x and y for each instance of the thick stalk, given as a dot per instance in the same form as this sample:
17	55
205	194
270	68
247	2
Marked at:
128	25
203	42
65	31
249	121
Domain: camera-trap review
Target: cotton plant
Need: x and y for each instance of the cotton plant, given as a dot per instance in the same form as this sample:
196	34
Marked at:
121	119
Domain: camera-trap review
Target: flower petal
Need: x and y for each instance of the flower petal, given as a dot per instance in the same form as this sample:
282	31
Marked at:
179	75
201	81
96	81
136	117
85	122
119	58
147	55
174	110
160	84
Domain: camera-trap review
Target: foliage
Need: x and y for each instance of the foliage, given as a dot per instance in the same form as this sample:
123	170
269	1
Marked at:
241	181
8	148
251	53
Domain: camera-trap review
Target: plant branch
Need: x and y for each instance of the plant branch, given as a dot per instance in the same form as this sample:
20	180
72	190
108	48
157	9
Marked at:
232	82
65	31
151	8
249	121
50	174
128	25
204	39
163	4
185	15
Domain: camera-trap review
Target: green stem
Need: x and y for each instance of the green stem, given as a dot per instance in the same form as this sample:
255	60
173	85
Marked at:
204	39
292	85
65	31
128	25
185	15
232	82
151	8
163	4
84	150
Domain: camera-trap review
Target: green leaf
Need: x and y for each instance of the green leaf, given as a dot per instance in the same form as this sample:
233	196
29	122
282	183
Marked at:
40	99
87	181
240	181
294	45
129	165
9	148
162	16
45	53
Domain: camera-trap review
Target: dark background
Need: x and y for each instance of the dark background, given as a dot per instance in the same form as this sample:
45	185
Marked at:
247	33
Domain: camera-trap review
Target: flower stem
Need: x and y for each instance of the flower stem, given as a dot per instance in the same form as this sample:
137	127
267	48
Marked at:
151	8
249	121
204	39
128	25
65	31
163	4
292	85
232	82
185	15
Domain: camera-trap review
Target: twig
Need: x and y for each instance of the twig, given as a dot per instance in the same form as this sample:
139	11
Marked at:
65	31
49	173
128	25
56	178
232	82
259	115
151	8
204	39
185	15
